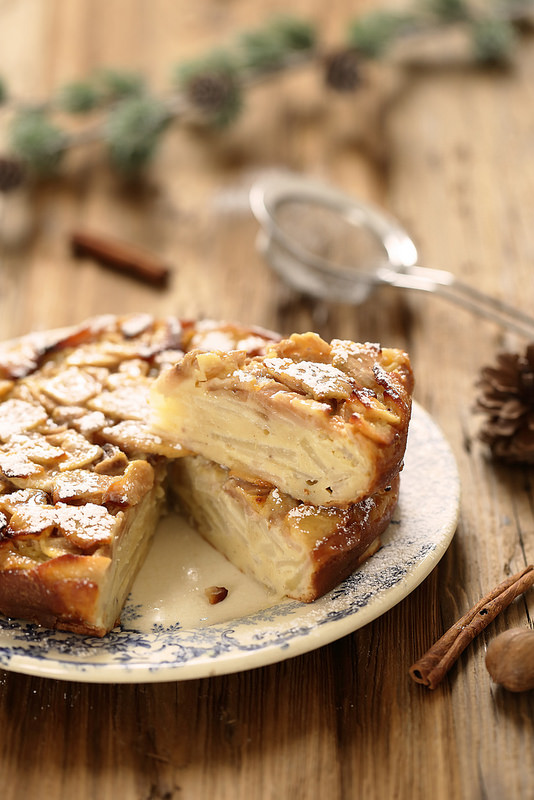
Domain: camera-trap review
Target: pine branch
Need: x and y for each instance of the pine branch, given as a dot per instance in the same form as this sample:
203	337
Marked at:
213	87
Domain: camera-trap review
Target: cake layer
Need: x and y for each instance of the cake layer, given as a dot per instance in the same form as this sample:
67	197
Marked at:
82	476
84	471
296	549
325	423
71	567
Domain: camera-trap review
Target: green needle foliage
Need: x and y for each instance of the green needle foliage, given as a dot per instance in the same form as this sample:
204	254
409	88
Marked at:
270	48
212	85
78	97
133	131
37	141
449	10
117	84
133	120
493	41
215	82
373	34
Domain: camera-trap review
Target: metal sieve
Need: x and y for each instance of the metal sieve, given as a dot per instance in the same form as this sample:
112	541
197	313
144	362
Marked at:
332	246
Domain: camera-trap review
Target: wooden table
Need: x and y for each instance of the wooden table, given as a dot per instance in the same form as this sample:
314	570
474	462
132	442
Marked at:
448	149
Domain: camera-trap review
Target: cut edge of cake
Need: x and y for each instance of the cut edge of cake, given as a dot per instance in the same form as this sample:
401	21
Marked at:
295	549
326	423
84	474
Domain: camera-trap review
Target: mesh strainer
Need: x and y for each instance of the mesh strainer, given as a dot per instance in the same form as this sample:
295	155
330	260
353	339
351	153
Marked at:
332	246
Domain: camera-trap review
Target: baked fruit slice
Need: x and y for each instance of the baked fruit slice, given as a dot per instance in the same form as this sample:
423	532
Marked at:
326	423
70	565
82	476
295	549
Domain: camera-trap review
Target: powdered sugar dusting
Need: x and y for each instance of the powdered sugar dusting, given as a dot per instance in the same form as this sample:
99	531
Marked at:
161	641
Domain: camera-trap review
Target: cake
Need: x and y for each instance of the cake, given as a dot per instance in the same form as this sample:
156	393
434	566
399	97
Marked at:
87	469
295	549
326	423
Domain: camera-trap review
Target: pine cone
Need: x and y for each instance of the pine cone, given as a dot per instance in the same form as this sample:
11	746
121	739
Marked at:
342	70
12	173
210	91
507	398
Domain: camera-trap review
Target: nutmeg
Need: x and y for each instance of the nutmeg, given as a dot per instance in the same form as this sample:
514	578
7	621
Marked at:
510	659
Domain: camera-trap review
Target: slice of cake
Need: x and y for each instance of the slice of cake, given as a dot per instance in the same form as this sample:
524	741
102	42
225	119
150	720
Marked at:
324	423
295	549
82	476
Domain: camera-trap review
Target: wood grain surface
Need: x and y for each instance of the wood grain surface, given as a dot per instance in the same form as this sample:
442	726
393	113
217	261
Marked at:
449	150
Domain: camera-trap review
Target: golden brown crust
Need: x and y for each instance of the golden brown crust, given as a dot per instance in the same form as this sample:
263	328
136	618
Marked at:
78	462
62	593
355	539
82	471
326	423
297	549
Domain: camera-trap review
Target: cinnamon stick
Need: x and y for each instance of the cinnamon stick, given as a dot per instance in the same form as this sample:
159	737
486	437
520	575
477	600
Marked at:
121	256
432	667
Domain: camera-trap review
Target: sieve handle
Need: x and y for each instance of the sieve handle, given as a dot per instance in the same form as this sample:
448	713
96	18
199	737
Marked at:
446	285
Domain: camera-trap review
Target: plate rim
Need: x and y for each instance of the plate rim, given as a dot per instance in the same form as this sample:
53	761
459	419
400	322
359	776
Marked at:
322	633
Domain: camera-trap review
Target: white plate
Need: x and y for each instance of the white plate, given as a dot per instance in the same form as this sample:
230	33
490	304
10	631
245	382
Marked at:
169	631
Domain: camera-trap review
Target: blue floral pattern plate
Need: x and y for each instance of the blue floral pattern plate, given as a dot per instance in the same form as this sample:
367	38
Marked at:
169	630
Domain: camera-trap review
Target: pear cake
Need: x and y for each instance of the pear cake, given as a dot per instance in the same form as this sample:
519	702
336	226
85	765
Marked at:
91	455
324	423
295	549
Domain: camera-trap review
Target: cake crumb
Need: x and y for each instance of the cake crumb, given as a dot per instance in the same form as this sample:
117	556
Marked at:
216	594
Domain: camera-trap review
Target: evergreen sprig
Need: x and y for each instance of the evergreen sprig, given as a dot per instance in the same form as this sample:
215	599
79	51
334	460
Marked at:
493	40
133	131
374	33
133	120
78	97
491	33
118	84
449	10
268	49
215	83
212	86
37	141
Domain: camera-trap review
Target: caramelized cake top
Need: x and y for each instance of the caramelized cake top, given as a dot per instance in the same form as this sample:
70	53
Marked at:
75	446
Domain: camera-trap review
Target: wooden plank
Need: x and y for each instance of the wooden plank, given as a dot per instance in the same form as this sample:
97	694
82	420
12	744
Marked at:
449	152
